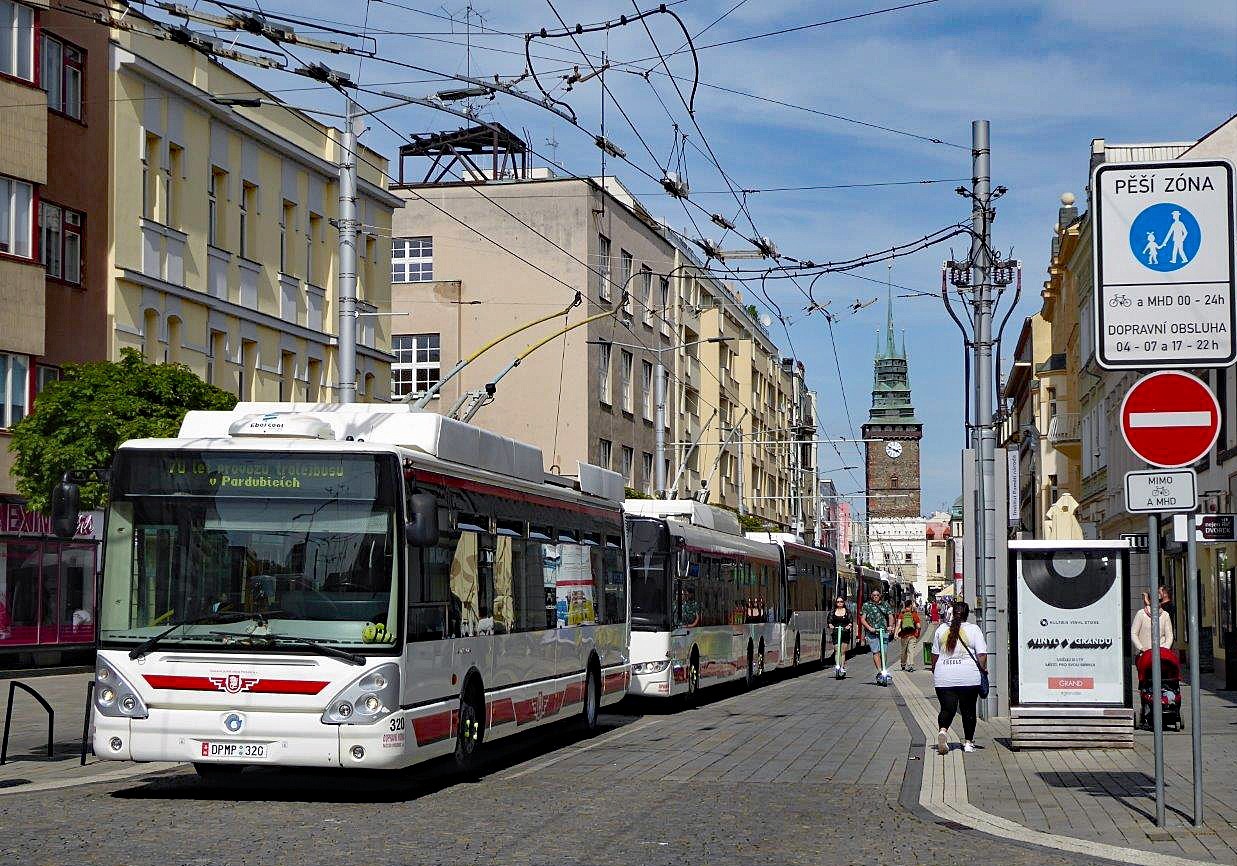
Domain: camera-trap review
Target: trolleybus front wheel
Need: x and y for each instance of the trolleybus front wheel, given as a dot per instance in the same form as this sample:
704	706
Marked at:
794	663
471	729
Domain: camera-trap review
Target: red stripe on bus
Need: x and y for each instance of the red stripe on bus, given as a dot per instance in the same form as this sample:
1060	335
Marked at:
517	495
502	711
435	728
614	683
247	684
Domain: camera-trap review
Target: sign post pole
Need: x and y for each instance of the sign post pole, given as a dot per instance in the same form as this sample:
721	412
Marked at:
1196	705
1157	707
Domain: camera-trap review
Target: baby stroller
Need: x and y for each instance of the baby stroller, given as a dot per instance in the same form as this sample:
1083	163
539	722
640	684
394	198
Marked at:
1170	688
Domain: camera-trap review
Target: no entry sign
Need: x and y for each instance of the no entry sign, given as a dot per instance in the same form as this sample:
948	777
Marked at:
1170	419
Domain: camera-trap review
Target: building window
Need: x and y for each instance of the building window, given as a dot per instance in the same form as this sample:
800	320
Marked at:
625	266
16	40
60	242
646	293
603	453
603	374
646	380
16	199
14	388
172	184
418	363
286	217
646	465
412	260
628	458
603	267
242	248
214	213
626	362
62	76
312	238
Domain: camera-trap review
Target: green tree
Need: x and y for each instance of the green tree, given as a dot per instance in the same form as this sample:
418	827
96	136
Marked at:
80	420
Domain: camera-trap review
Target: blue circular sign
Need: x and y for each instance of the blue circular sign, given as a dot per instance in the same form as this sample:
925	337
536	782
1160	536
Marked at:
1165	237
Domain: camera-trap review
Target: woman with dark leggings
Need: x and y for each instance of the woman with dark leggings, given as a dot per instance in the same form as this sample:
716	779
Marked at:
959	653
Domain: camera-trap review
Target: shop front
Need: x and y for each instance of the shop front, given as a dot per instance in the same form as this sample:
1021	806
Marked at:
47	584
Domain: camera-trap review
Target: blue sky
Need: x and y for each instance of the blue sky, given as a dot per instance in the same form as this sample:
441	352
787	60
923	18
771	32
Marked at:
1049	74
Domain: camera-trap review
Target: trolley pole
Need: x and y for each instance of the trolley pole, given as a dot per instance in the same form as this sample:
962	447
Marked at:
347	226
1157	707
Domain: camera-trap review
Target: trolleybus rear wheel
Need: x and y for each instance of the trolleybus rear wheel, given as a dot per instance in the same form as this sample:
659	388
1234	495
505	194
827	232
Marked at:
750	679
795	659
592	698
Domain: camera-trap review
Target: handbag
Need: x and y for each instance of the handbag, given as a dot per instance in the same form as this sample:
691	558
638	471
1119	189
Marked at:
983	674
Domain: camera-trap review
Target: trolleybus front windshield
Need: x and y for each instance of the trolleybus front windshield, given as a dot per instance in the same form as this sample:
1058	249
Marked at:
294	544
650	574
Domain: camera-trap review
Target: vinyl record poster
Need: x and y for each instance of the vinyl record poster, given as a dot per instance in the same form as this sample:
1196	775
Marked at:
1070	626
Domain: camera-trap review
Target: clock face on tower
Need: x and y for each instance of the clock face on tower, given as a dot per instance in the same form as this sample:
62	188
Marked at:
893	449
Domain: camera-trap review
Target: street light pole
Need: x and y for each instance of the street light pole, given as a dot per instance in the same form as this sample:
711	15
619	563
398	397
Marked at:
659	440
347	226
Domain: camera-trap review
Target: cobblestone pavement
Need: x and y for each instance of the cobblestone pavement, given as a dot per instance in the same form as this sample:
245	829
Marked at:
805	770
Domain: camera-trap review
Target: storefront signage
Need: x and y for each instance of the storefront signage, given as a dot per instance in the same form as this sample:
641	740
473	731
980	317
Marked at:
1070	646
16	519
1207	527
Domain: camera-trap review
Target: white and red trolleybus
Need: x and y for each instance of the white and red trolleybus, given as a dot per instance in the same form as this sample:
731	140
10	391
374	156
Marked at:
811	577
359	586
706	602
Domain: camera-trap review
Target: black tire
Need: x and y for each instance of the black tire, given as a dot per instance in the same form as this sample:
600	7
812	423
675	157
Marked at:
591	713
693	678
218	773
471	731
824	650
750	679
760	662
794	660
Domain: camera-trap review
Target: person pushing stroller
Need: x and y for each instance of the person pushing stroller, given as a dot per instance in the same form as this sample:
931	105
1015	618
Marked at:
1170	667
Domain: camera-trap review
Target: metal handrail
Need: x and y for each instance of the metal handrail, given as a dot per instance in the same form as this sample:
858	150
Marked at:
8	718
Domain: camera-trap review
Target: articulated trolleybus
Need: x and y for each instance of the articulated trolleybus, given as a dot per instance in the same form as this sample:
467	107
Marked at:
710	605
359	586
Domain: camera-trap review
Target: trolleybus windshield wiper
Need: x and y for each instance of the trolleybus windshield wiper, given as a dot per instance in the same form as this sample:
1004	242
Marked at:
334	652
214	618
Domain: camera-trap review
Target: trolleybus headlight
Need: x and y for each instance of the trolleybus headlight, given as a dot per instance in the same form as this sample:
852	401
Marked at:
365	700
650	667
115	697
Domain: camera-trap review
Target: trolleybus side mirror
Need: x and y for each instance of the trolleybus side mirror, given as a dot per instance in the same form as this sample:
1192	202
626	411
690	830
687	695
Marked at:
422	527
65	499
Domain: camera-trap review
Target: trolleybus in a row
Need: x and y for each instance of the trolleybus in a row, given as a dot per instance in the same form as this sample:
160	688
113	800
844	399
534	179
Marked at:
370	586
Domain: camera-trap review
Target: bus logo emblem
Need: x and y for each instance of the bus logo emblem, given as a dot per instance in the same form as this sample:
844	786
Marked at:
234	683
233	723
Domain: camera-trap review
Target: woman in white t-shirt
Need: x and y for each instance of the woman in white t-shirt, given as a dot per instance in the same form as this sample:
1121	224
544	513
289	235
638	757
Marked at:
959	653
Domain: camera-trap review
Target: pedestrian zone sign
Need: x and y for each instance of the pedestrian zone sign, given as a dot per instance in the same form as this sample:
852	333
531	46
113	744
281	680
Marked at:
1164	264
1161	491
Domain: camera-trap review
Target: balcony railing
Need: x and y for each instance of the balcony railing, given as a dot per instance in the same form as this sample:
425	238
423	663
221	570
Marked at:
1063	428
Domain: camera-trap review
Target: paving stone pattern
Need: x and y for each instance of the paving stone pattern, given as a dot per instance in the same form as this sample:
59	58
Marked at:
805	770
1108	795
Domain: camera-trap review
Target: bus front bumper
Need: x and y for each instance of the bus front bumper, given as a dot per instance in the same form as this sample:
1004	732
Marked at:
659	684
249	737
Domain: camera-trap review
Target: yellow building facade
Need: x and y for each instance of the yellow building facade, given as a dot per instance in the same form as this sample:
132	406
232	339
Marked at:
222	243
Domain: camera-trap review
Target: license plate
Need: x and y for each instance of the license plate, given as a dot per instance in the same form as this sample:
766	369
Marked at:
234	751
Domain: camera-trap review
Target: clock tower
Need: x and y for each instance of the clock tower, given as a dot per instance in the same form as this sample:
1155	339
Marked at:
892	461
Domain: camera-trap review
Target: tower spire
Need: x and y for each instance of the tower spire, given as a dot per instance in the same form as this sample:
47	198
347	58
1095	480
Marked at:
890	349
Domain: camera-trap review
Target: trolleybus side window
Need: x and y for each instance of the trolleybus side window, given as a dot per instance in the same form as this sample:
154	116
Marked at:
614	581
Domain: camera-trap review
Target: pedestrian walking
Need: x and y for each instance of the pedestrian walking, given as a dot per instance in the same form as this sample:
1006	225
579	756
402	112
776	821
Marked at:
959	671
876	620
1140	628
910	626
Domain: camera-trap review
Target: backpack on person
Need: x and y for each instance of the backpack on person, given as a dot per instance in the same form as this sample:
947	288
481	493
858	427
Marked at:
906	626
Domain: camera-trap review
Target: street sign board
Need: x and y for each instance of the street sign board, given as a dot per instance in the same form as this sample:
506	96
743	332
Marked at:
1158	491
1012	468
1170	419
1164	264
1139	542
1213	528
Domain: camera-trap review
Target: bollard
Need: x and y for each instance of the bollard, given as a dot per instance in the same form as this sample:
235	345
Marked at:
8	718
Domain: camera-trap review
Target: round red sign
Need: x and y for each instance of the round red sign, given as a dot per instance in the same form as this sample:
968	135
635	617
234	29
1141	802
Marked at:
1170	419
